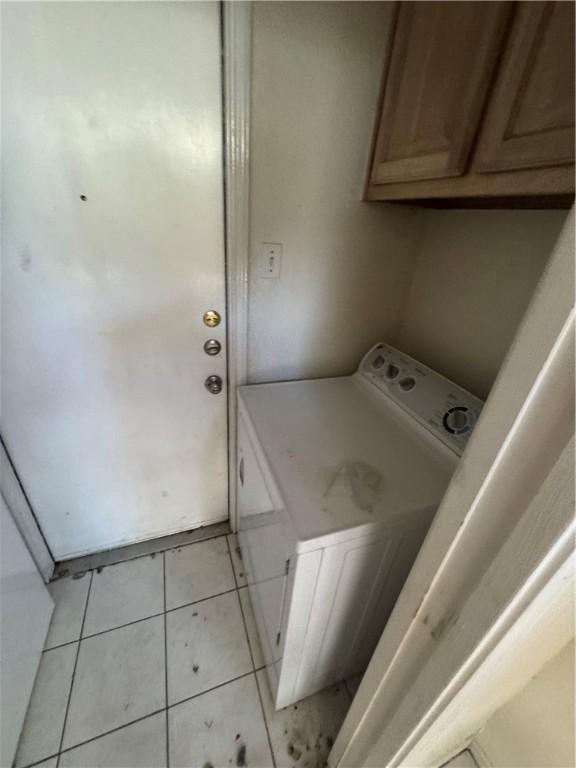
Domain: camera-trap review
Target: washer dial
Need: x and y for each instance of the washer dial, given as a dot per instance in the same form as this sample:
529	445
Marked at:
407	383
458	420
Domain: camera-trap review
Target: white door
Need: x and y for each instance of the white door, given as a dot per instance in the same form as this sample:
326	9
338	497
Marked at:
112	251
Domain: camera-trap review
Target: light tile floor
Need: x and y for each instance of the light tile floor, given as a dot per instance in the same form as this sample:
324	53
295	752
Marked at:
156	662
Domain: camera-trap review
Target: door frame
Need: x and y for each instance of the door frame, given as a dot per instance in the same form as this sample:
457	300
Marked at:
237	54
23	515
490	598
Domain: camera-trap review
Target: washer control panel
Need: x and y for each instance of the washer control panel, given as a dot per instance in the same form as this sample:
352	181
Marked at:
444	408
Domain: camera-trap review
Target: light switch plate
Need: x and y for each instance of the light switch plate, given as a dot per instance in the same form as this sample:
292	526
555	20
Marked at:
270	262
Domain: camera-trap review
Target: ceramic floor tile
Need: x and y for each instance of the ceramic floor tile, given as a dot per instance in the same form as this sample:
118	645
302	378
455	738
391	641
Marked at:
140	745
253	638
47	709
119	678
237	561
125	592
52	763
131	551
197	571
302	735
69	596
352	684
220	728
207	646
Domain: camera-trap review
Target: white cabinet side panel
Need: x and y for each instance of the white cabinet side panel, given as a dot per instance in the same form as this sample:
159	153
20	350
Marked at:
296	625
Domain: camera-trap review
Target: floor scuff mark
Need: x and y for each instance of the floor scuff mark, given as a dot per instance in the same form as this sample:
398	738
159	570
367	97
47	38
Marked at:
241	756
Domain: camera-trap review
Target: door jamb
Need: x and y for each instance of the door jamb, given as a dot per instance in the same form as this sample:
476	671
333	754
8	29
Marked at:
23	516
237	38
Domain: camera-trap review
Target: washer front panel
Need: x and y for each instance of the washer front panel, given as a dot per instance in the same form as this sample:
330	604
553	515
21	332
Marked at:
444	408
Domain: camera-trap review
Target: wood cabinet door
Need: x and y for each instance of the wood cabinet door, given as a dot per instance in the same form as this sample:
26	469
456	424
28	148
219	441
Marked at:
442	60
530	117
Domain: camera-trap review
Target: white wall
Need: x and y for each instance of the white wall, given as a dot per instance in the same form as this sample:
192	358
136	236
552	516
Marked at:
450	287
536	727
316	75
473	279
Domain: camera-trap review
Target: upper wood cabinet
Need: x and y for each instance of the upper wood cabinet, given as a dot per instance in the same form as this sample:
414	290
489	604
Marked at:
530	117
478	102
441	65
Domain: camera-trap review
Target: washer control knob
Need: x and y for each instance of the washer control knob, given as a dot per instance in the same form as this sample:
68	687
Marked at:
392	371
407	384
378	362
458	420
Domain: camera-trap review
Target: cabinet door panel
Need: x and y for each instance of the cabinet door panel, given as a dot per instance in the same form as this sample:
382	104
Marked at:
442	59
530	119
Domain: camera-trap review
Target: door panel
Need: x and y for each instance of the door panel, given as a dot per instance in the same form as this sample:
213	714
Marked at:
443	55
530	120
113	250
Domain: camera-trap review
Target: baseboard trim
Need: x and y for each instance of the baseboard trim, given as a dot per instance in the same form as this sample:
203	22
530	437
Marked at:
140	549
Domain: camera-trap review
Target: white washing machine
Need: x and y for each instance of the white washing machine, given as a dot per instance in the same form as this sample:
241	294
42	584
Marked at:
339	480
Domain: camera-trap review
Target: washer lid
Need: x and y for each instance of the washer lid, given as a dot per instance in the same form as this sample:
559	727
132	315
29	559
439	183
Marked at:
343	456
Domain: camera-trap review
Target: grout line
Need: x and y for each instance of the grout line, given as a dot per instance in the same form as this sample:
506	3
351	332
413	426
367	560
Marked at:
209	690
139	719
74	670
145	618
243	574
232	562
191	543
112	629
164	614
265	721
166	664
252	659
256	669
37	762
202	600
102	735
151	714
246	633
62	563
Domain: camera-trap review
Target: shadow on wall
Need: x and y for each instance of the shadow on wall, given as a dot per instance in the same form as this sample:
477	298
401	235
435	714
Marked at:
473	278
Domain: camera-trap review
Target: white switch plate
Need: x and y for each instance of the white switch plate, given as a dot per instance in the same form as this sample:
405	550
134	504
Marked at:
270	262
